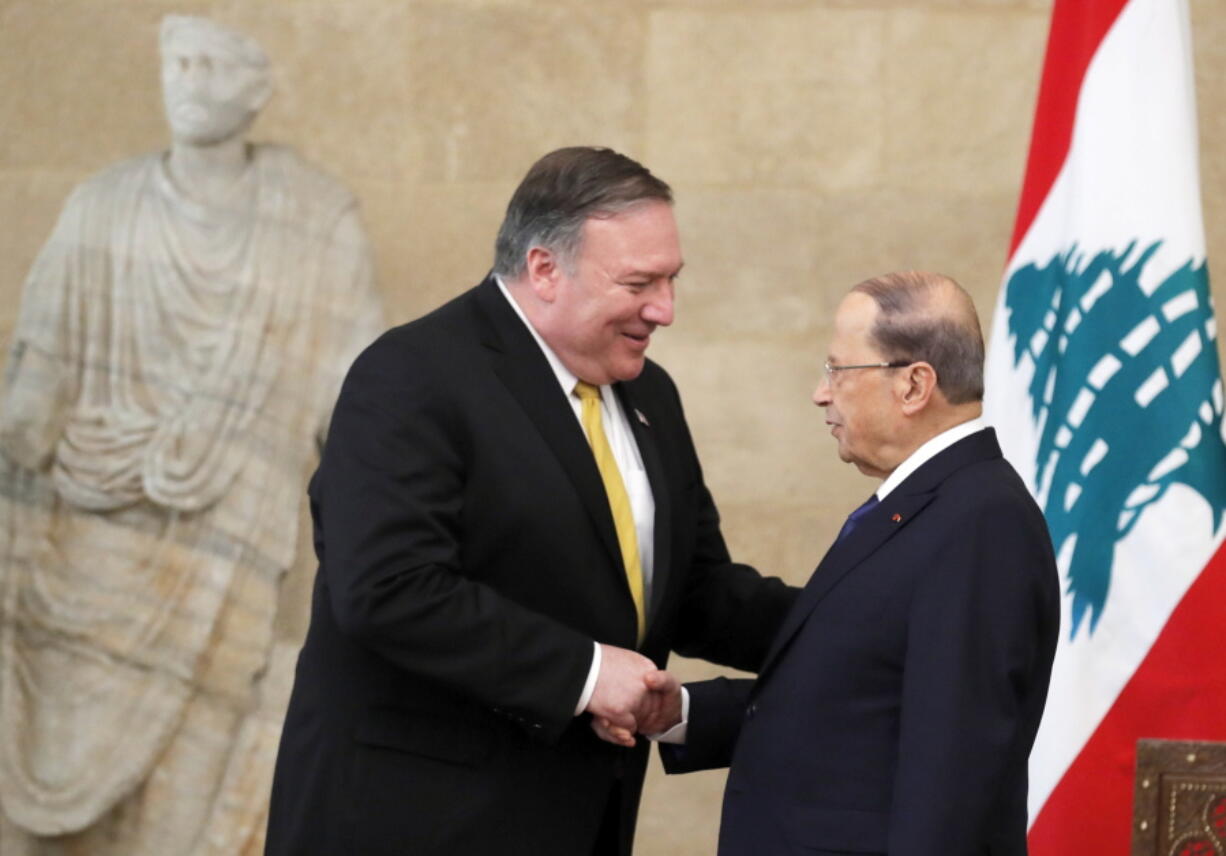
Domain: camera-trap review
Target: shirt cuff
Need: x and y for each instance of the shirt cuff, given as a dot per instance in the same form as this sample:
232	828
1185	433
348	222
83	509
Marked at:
676	734
590	686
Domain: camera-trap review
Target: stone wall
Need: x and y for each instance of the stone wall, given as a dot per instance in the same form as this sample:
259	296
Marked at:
811	144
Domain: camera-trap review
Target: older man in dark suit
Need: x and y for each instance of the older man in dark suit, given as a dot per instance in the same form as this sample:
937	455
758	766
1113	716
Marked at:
512	531
897	706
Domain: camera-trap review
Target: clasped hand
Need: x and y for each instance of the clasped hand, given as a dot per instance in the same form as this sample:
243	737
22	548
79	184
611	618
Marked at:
632	696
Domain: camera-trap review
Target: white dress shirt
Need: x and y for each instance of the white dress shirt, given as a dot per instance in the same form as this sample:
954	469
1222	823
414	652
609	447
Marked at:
629	462
927	452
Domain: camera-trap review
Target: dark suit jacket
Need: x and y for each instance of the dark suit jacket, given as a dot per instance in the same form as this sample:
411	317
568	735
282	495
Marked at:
467	561
897	707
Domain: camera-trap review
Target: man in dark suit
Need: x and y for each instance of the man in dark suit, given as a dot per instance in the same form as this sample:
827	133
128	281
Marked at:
512	531
896	708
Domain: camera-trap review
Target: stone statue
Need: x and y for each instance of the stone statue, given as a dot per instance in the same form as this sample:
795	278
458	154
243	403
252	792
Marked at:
181	340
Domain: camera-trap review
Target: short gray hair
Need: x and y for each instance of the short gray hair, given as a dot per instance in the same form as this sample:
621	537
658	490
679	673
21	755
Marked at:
560	192
909	327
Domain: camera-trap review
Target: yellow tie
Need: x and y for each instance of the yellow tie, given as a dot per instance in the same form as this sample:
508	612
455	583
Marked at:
619	501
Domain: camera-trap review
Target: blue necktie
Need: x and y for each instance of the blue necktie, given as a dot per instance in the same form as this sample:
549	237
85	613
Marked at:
854	518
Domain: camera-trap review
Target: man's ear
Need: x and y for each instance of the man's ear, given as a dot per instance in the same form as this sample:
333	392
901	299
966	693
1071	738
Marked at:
260	99
544	272
259	93
916	386
261	88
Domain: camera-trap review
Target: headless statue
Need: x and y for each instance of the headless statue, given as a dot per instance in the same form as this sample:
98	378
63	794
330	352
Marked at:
181	340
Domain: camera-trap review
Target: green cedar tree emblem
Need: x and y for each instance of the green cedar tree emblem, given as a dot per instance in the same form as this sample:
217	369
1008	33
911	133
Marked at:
1127	397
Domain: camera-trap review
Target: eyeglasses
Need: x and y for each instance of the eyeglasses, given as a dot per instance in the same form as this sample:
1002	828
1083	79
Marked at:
831	371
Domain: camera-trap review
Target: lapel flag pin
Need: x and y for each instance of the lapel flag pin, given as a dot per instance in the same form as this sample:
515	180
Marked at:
641	417
897	518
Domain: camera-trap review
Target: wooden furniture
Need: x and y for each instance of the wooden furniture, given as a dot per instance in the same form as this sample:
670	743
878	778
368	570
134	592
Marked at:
1179	806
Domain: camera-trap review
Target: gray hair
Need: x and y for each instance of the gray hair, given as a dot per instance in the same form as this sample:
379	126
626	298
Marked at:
911	327
559	193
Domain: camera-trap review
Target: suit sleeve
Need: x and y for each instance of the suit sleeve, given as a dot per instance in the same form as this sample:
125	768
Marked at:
980	624
717	709
388	503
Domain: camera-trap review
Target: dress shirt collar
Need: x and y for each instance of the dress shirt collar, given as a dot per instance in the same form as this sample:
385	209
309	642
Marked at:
928	451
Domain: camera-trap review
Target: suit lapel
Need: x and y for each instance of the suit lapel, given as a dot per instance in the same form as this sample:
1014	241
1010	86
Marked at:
896	511
872	532
523	368
645	439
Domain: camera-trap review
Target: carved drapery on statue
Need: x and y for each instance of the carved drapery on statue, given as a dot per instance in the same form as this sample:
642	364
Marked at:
173	367
157	380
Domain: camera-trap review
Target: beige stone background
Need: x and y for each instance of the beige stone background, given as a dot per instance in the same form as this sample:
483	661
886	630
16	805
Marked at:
811	143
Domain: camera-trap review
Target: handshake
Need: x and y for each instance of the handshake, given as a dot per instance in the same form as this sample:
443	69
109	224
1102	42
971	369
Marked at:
632	696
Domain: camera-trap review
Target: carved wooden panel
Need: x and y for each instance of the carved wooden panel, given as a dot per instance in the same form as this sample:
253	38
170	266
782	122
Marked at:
1179	806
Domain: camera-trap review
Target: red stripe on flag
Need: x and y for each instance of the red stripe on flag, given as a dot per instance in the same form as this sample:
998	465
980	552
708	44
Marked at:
1077	29
1178	693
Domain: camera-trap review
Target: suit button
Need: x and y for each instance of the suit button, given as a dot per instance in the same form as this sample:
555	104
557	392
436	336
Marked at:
751	710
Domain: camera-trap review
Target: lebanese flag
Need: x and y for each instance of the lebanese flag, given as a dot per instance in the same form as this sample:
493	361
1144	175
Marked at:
1104	387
